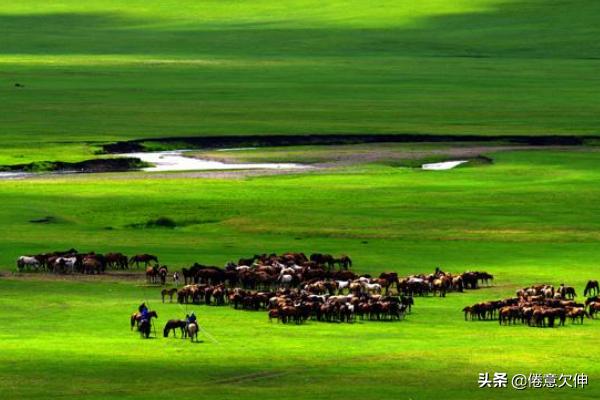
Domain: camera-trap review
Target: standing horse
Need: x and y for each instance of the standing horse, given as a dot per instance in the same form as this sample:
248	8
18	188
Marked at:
192	331
151	274
27	261
117	260
168	292
162	274
136	317
144	328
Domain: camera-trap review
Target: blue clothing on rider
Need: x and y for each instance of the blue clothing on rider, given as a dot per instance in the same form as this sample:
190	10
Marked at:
191	318
145	313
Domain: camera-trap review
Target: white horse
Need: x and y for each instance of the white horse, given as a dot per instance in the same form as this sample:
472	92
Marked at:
286	279
297	268
27	261
372	287
342	285
67	262
287	271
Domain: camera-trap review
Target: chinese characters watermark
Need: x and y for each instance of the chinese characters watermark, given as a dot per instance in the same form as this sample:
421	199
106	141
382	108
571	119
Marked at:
501	380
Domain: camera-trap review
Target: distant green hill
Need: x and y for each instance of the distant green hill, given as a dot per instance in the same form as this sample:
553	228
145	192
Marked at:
108	70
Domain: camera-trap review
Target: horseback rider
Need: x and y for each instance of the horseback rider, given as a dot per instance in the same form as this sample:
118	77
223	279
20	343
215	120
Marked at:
190	319
143	309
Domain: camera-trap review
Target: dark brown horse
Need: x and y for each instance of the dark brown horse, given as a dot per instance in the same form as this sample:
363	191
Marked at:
168	292
143	258
344	262
162	274
174	324
117	260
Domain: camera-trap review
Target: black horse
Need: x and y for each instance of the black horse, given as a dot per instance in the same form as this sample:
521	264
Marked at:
144	328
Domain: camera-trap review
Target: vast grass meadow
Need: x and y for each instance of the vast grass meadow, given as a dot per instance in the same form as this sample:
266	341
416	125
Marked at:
75	75
530	217
103	70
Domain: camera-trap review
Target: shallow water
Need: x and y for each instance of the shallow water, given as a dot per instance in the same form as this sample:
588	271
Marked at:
14	175
441	166
176	161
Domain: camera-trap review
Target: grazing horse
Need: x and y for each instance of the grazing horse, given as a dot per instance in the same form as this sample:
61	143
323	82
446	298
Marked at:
192	331
169	292
27	261
64	264
136	317
591	288
145	258
173	324
344	262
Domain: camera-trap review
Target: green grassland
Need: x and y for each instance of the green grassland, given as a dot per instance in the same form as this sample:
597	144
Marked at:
99	71
531	216
105	70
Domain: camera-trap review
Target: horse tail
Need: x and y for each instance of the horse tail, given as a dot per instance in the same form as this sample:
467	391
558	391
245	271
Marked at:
166	331
132	321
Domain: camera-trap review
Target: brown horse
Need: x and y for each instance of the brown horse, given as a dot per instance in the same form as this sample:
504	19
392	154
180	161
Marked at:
116	260
143	258
169	292
162	274
136	317
151	274
174	324
91	265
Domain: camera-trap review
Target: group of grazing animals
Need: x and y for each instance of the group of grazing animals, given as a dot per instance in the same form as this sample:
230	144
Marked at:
298	306
294	288
156	274
268	271
71	261
439	283
186	330
539	306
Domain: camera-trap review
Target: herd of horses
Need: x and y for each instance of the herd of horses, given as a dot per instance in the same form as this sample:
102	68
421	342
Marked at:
540	306
292	287
71	261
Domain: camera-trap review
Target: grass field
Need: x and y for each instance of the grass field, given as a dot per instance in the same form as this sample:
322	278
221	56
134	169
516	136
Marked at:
103	70
529	217
97	71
